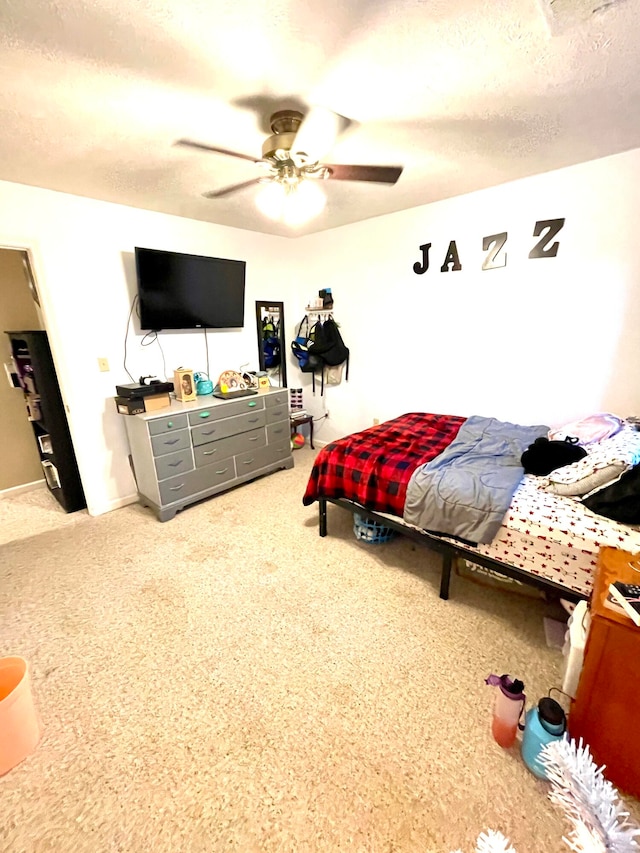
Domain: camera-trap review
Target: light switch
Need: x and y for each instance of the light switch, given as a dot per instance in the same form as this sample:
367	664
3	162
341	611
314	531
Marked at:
103	364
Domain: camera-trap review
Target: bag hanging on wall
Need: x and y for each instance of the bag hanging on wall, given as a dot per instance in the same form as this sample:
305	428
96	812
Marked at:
328	344
300	347
332	351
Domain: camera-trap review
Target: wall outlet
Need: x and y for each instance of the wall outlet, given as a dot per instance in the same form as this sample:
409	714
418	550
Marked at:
326	414
376	421
103	365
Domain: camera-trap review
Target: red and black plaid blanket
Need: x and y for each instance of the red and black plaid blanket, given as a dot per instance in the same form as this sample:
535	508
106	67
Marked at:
373	467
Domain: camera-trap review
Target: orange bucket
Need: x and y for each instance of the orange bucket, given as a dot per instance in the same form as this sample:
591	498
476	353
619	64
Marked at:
20	728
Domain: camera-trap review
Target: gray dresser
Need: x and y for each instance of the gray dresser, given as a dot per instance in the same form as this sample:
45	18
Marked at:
194	450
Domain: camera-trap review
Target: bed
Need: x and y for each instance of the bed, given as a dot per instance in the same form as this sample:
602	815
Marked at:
537	536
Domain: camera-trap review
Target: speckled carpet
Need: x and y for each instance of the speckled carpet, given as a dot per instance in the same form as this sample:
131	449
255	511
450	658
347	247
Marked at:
230	681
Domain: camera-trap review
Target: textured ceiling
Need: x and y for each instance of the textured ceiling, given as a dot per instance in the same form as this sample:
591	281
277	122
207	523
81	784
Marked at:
464	94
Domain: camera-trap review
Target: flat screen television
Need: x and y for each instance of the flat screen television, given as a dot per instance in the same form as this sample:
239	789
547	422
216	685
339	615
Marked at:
178	291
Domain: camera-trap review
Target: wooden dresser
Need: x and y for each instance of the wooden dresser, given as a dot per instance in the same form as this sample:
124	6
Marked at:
192	451
606	710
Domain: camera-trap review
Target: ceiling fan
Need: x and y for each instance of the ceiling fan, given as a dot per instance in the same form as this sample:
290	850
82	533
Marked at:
294	150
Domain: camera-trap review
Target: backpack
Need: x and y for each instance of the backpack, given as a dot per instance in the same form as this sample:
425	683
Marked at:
328	344
328	347
300	347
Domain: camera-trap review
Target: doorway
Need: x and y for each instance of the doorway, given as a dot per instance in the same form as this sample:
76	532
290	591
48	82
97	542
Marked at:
19	310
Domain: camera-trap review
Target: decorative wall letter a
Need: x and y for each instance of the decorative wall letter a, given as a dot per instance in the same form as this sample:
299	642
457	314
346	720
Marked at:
452	258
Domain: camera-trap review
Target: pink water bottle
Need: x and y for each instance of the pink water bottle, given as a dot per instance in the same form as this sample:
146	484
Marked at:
508	707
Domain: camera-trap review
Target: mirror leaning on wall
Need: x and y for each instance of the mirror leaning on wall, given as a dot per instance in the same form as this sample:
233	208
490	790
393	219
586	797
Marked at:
270	329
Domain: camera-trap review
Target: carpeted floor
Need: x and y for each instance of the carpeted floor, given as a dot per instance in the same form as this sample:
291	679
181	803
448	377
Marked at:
230	681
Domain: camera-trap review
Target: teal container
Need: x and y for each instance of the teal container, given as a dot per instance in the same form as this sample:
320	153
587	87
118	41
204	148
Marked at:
543	724
203	384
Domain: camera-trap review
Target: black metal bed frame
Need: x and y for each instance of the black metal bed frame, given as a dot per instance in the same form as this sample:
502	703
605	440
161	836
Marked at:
447	549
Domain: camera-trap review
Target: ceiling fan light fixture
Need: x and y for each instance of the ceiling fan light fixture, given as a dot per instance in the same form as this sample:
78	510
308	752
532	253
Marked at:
270	200
292	203
305	203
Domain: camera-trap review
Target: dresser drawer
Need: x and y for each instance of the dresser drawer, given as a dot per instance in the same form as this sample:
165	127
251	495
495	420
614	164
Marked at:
215	430
253	460
171	442
278	432
281	398
277	413
226	410
205	454
174	463
198	480
168	424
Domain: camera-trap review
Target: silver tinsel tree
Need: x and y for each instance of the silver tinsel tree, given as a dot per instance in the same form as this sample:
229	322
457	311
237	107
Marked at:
591	804
599	822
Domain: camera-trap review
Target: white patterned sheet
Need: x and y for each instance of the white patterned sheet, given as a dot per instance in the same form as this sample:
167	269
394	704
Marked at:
555	537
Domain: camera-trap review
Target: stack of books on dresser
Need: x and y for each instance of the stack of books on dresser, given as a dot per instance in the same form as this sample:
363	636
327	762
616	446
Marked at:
625	598
299	414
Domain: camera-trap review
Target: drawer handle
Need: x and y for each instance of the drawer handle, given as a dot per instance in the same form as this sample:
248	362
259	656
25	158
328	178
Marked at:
252	404
224	471
204	414
171	441
254	438
208	452
209	431
170	424
176	488
279	429
175	464
248	462
253	420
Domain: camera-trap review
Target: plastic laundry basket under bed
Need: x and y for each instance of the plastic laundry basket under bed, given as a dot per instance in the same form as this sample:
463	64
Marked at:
368	530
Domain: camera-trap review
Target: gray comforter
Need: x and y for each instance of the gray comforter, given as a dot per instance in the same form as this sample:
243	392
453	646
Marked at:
466	490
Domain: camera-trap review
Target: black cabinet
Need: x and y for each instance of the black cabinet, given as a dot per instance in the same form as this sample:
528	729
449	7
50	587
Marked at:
35	369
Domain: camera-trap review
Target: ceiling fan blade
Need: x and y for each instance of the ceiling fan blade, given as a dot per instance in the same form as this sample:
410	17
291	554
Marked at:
317	135
375	174
231	189
189	143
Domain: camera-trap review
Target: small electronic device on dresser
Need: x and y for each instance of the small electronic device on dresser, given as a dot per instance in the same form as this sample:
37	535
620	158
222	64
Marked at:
144	389
144	396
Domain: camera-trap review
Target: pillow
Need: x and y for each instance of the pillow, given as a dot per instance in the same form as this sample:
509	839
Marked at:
589	483
622	450
590	429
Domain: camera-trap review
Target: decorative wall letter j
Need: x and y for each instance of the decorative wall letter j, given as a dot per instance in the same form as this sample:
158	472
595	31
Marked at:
422	266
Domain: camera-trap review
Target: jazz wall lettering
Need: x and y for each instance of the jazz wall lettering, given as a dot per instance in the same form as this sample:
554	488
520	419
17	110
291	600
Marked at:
494	246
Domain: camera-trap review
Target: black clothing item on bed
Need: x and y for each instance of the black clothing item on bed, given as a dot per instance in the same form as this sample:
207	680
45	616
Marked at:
544	456
620	501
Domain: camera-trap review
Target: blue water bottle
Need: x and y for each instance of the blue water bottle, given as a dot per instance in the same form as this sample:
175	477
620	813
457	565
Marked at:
545	723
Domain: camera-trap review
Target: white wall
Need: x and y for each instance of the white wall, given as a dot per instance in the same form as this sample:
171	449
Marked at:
541	340
83	253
